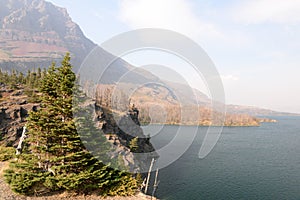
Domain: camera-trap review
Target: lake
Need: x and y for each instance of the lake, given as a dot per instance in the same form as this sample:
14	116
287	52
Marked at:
246	163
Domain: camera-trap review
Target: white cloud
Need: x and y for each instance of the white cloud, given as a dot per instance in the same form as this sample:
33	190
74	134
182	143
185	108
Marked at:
274	11
229	77
176	15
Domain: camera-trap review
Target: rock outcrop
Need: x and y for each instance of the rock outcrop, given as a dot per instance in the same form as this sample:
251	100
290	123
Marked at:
36	32
14	110
120	132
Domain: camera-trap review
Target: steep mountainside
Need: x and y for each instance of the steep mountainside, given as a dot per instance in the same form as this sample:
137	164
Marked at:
35	32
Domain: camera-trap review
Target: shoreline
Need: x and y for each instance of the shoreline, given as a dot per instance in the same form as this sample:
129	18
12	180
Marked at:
206	125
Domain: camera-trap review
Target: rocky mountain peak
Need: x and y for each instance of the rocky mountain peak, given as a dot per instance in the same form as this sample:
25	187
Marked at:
40	16
32	31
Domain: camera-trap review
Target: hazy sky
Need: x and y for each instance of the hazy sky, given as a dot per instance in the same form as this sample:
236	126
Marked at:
255	44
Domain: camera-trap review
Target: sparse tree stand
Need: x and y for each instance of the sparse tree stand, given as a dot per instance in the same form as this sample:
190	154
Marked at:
54	157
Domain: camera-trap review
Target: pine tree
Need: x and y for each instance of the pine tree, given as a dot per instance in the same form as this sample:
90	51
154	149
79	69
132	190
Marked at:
21	78
39	73
133	144
1	76
55	157
13	81
27	78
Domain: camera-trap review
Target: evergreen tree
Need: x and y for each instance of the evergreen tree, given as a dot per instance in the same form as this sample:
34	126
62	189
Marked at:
39	73
133	144
21	78
55	157
1	76
27	78
13	80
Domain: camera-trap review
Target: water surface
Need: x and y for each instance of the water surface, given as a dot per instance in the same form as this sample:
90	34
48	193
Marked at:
247	163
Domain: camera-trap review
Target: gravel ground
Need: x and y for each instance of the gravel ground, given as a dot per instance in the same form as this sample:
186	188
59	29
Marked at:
7	194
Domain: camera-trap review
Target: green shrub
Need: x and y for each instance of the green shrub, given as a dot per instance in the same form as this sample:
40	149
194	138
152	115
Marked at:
133	144
7	153
126	186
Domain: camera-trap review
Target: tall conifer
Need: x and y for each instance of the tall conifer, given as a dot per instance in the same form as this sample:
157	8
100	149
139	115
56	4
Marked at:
55	157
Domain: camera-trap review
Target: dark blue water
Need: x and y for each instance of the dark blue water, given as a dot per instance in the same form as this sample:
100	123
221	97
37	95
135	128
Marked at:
247	163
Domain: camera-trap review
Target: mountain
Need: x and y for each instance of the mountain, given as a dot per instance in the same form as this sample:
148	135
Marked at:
255	111
35	32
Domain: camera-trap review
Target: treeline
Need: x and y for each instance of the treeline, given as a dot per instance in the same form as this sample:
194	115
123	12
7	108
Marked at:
29	81
15	79
169	113
192	115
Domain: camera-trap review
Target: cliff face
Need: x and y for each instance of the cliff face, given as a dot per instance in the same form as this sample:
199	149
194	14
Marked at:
37	32
121	132
14	109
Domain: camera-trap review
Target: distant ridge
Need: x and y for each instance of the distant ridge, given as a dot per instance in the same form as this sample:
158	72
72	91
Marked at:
256	111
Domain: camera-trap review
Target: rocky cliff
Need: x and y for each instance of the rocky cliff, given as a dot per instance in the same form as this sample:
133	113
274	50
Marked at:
14	109
120	131
35	32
